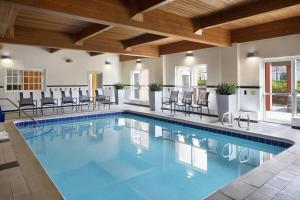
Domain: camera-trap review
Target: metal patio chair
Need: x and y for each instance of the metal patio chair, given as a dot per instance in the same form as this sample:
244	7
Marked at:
185	103
170	100
27	102
68	100
202	101
101	98
85	99
48	101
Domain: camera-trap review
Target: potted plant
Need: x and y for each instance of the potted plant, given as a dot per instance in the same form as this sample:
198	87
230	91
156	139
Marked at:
155	96
119	93
226	98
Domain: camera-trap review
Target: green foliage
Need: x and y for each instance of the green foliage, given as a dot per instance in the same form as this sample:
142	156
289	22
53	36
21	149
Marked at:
279	86
226	88
201	83
298	86
155	87
119	86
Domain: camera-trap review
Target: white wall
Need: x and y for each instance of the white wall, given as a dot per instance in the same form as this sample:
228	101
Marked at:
153	65
58	72
275	47
223	64
210	56
232	65
250	69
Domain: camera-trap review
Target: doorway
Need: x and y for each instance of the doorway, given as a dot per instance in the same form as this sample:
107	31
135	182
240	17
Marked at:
139	88
95	82
279	90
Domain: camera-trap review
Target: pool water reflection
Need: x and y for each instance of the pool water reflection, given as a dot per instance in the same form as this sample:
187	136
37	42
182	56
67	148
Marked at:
130	157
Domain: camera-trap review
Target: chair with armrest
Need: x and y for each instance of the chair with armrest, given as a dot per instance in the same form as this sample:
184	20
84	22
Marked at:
170	100
101	98
68	100
186	102
27	102
85	99
202	101
48	101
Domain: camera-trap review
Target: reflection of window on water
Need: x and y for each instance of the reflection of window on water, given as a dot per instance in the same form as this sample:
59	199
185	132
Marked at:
139	132
192	156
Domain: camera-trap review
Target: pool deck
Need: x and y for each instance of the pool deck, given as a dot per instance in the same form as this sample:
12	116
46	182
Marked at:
22	177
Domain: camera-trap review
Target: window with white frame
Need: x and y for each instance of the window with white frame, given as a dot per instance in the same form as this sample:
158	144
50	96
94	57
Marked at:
139	82
21	79
191	76
183	76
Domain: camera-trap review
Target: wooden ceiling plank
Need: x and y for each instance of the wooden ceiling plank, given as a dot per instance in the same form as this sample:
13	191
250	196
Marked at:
89	32
181	46
138	7
52	50
123	58
50	39
280	28
245	10
104	12
94	53
141	39
8	17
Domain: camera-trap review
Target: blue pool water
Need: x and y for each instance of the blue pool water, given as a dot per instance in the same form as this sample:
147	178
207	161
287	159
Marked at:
131	157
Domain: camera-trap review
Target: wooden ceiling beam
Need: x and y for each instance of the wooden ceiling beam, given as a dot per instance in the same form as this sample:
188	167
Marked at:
245	10
280	28
50	39
181	46
141	39
94	53
89	32
52	50
8	15
138	7
123	58
115	13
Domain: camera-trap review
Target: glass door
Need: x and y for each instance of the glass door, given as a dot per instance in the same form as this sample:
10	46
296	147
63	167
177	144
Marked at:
297	88
278	92
136	79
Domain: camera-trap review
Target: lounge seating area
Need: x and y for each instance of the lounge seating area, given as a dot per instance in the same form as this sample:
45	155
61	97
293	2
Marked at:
59	103
187	104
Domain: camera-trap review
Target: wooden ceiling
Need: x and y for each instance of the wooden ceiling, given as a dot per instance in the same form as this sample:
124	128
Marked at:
144	28
196	8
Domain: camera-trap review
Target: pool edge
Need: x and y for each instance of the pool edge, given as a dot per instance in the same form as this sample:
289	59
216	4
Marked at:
39	184
173	119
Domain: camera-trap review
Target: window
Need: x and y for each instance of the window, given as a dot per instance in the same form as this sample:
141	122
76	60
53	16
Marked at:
136	84
191	76
19	80
139	82
201	75
183	76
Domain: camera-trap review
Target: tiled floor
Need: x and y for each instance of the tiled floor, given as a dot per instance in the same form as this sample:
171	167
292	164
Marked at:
12	184
278	178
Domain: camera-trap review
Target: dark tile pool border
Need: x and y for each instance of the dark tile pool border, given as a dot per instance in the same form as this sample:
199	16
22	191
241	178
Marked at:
20	124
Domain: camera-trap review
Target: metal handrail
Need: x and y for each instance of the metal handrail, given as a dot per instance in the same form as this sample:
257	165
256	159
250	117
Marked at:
30	117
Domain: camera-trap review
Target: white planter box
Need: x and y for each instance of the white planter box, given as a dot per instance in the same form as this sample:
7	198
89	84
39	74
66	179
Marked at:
155	100
119	96
226	103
